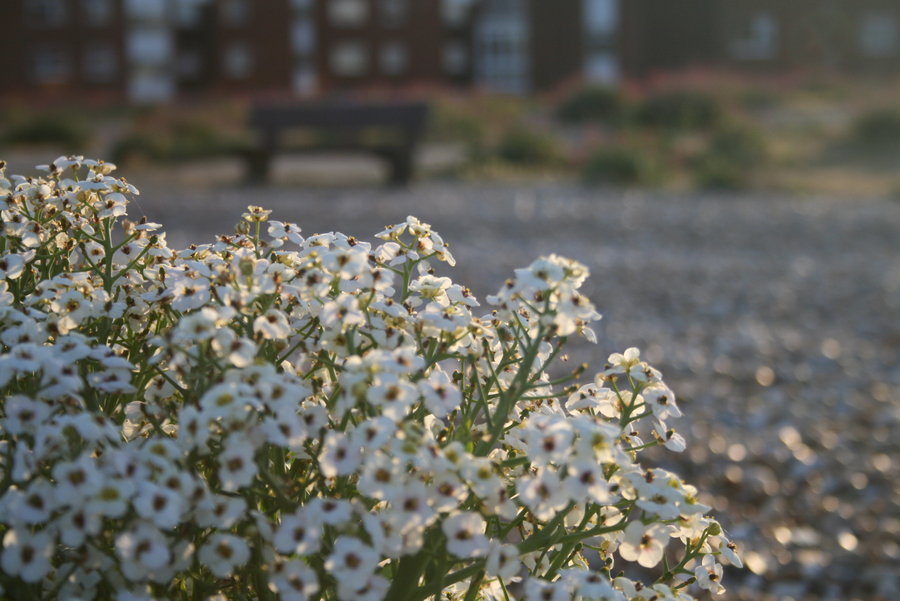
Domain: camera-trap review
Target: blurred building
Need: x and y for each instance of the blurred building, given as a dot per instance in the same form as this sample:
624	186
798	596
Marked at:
843	36
152	50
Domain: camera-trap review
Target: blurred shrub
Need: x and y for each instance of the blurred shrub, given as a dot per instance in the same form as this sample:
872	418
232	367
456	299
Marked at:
523	146
59	129
679	110
454	124
718	173
620	166
878	130
732	158
183	139
594	103
757	99
739	144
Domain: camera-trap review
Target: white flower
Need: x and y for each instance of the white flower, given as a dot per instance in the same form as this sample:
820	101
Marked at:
441	396
339	455
661	401
591	585
549	439
393	396
142	551
671	439
541	590
627	363
27	555
465	535
223	553
729	553
33	505
502	561
293	580
272	325
644	544
333	512
11	266
412	504
298	534
77	480
76	525
351	560
543	494
220	511
23	414
236	466
111	499
586	481
709	575
373	589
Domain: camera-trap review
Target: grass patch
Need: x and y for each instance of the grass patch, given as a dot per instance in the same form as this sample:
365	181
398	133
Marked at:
621	166
599	104
679	110
51	129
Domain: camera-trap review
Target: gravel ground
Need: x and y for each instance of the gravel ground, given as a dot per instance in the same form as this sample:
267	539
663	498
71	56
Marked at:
776	319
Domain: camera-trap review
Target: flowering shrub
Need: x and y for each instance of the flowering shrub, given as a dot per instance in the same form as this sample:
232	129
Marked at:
270	416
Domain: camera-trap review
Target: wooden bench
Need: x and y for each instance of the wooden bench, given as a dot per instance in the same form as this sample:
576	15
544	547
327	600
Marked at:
388	130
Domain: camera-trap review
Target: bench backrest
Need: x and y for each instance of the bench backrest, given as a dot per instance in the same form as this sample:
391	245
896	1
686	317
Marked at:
339	115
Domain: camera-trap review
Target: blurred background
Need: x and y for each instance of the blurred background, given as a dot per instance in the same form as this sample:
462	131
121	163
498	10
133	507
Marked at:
728	169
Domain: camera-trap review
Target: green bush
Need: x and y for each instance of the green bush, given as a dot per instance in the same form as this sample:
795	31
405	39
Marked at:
523	146
878	130
182	140
732	158
67	131
452	124
739	144
712	172
619	166
595	103
679	110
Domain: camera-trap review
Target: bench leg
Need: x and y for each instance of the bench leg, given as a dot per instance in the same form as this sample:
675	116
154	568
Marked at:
400	163
258	166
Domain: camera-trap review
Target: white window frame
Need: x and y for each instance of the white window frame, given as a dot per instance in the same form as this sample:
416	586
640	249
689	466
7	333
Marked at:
50	65
100	62
350	59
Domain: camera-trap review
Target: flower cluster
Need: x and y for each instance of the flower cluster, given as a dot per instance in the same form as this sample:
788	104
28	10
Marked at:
273	416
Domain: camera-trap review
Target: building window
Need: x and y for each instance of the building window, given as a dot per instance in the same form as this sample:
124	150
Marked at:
304	79
601	67
601	16
146	10
235	12
149	46
189	14
46	13
760	40
501	45
189	65
456	58
150	85
97	13
303	37
393	12
348	13
878	35
455	12
349	59
394	58
50	65
238	61
100	63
